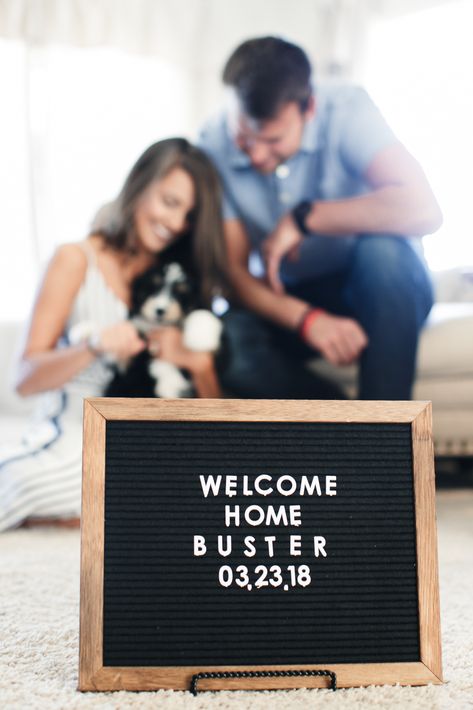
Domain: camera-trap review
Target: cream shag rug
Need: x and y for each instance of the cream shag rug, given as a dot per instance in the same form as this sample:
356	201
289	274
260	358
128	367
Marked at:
39	614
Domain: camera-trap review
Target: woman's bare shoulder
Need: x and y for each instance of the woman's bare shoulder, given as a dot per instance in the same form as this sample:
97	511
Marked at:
67	266
71	254
57	290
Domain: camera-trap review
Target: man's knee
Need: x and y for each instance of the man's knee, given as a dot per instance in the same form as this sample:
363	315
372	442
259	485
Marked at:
388	271
384	256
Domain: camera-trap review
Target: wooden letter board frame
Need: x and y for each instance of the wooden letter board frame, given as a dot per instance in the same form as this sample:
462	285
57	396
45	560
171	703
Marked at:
93	675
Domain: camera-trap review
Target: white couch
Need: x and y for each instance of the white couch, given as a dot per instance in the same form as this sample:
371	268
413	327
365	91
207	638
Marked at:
444	371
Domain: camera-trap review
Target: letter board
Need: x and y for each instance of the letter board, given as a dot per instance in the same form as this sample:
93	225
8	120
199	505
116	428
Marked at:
225	535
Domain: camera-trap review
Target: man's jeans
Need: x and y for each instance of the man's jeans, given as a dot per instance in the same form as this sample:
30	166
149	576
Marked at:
387	289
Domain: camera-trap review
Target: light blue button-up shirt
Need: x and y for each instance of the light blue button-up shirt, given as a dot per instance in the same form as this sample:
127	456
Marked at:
337	146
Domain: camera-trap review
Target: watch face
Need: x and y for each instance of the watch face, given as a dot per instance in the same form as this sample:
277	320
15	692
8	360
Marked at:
300	213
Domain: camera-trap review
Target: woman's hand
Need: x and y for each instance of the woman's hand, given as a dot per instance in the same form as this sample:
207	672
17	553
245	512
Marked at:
121	341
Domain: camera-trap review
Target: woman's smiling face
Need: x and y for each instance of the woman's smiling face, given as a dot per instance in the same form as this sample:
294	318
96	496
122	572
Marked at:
161	214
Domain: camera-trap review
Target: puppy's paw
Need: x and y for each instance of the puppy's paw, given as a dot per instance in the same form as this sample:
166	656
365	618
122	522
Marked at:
170	382
202	331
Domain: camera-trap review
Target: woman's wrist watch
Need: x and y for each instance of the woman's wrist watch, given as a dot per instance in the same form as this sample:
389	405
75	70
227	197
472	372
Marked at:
299	215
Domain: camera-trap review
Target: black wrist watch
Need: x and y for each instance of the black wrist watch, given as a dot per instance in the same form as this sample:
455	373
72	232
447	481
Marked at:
299	215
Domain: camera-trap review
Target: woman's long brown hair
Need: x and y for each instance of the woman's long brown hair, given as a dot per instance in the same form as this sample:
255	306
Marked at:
202	247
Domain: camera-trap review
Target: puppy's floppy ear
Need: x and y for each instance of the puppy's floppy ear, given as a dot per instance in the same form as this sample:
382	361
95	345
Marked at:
185	289
144	286
181	253
194	293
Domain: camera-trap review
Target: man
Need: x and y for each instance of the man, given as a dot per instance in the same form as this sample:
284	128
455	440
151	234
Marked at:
318	187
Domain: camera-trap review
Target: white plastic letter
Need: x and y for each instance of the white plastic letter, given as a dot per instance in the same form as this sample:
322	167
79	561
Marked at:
210	483
246	491
228	550
258	489
251	551
289	491
270	539
331	485
200	547
319	546
305	485
258	510
231	486
229	514
277	518
295	515
295	545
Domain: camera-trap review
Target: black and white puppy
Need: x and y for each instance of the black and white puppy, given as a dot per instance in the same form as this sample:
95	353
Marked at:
162	297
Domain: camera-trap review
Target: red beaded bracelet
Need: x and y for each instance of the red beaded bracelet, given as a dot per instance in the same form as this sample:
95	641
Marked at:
310	315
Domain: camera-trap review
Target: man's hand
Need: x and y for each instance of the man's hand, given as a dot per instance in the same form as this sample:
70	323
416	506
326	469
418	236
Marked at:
283	241
339	340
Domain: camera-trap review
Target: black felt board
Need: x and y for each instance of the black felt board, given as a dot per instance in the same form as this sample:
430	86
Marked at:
163	606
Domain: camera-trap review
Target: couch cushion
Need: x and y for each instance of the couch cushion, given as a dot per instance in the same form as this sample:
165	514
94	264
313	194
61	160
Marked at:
453	431
446	344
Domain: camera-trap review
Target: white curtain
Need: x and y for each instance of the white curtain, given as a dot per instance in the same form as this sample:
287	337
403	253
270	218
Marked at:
180	31
395	8
175	29
196	35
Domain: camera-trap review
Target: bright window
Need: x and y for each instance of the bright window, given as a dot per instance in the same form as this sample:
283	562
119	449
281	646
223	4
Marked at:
419	69
18	262
74	121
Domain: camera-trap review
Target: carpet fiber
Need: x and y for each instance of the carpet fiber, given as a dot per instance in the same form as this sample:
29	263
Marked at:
39	613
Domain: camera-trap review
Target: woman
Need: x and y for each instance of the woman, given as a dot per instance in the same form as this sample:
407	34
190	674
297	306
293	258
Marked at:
170	202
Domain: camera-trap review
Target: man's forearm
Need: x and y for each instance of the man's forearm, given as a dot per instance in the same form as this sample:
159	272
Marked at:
394	209
258	297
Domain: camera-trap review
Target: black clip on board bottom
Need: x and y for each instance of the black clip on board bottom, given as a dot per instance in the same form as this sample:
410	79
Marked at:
262	674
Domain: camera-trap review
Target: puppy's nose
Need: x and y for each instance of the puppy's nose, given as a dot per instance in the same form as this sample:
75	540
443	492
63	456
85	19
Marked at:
160	312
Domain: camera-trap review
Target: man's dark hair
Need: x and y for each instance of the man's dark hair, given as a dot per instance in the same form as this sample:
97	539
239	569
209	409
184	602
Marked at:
268	72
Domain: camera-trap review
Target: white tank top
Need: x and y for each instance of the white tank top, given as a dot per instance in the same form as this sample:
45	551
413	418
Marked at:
95	303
